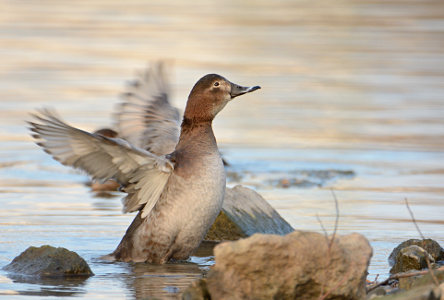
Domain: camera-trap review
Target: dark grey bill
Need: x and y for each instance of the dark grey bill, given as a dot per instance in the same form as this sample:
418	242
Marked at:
237	90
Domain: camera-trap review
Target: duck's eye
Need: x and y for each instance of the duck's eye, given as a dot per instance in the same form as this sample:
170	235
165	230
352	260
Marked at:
216	83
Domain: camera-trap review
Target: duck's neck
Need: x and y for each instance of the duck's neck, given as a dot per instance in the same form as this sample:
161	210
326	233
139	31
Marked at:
196	133
189	124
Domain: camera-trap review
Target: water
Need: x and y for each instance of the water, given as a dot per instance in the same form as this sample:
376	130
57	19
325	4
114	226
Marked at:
353	88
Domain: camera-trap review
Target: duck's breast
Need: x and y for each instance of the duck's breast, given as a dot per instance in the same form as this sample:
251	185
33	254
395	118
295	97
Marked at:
197	192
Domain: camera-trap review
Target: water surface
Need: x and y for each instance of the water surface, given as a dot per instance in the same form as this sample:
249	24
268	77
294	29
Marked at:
351	100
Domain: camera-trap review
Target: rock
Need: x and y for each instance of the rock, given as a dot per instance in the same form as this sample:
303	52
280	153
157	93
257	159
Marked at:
417	281
244	213
429	292
299	265
224	229
429	245
197	291
411	258
379	291
48	261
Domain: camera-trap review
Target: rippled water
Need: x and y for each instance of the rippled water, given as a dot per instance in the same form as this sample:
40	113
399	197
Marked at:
351	100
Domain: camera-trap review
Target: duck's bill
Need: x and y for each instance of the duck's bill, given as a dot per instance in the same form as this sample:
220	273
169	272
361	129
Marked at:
237	90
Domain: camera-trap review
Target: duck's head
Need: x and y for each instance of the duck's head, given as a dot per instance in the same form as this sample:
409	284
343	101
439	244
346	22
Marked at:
210	95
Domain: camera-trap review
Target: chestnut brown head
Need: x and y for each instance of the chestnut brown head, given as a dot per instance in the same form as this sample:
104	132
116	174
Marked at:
210	95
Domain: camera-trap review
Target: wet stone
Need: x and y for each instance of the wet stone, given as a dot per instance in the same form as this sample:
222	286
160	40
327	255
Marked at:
429	245
244	213
411	258
48	261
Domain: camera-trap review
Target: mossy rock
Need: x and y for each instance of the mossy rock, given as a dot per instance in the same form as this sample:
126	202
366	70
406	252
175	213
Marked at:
224	229
429	245
245	213
411	258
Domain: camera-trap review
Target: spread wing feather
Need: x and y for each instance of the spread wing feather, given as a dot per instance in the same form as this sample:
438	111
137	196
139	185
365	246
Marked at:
143	184
146	118
143	174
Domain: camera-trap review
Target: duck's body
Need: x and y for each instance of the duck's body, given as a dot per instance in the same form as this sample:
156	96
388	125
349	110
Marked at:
178	195
187	207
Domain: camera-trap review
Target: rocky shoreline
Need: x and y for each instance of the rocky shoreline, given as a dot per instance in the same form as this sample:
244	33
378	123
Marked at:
260	256
307	265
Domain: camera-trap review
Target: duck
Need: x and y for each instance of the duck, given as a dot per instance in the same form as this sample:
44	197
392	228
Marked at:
177	196
145	117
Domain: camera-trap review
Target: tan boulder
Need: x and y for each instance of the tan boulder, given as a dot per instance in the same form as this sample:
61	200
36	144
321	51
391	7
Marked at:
299	265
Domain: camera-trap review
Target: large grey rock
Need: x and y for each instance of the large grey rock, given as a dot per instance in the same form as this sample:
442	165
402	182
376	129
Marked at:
429	245
299	265
411	258
244	213
48	261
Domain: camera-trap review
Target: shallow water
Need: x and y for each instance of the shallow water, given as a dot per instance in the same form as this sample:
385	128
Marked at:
351	101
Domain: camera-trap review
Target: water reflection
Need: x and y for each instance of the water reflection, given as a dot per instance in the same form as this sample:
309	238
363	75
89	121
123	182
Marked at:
48	286
146	281
160	281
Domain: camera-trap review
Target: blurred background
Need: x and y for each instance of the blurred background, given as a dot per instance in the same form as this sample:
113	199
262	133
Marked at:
351	100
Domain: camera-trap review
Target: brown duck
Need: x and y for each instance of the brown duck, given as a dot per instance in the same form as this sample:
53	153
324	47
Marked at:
178	195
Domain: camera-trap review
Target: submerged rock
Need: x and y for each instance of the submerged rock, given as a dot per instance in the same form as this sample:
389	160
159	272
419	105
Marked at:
311	178
244	213
48	261
288	179
411	258
299	265
429	245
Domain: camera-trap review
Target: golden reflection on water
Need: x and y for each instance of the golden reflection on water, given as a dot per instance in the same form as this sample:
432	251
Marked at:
349	85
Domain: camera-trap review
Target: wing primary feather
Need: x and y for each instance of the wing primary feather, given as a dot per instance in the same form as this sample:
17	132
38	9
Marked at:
143	173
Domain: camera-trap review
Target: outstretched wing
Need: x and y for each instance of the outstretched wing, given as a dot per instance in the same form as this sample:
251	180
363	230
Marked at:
143	173
146	118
